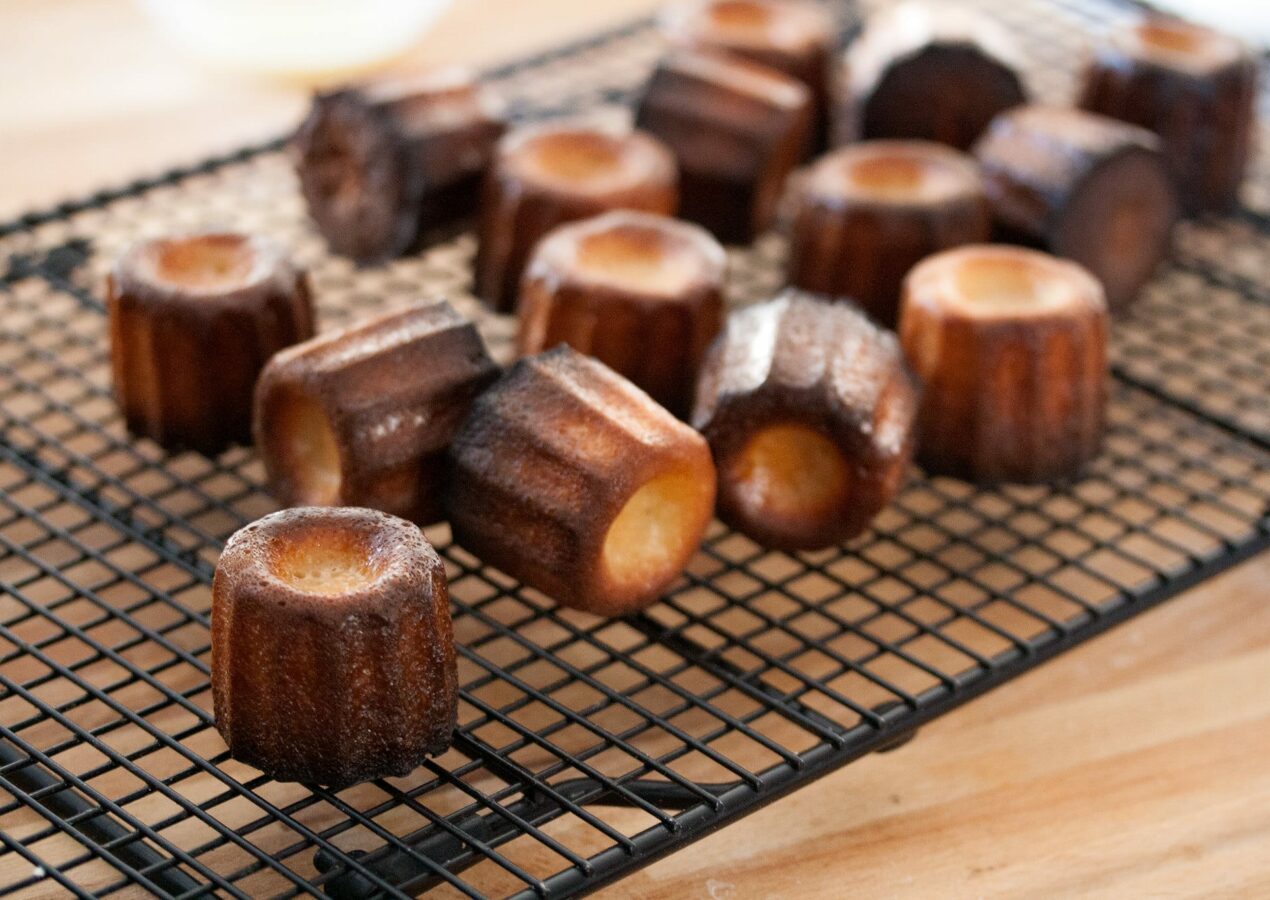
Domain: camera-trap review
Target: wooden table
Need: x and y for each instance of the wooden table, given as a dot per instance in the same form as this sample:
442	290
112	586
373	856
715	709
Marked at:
1137	765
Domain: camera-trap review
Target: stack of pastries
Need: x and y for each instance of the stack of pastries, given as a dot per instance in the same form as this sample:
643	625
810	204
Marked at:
640	408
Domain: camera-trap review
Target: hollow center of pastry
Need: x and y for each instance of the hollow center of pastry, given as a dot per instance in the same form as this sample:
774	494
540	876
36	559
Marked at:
1171	37
1004	284
790	473
328	560
206	262
577	156
740	16
639	259
899	178
310	451
656	531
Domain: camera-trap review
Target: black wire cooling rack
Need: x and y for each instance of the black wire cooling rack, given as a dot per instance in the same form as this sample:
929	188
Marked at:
586	747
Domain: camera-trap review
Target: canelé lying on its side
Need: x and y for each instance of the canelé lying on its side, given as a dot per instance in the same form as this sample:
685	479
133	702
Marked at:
1083	186
867	213
332	648
796	37
192	320
363	416
641	293
1195	88
1011	345
809	411
380	163
546	175
926	71
569	478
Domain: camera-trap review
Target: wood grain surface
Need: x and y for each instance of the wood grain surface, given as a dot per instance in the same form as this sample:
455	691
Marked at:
1136	766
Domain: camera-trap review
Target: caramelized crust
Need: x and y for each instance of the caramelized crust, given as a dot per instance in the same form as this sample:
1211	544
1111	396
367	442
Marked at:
796	37
866	214
381	163
572	480
1083	186
809	412
737	130
641	293
1011	345
546	175
1195	88
363	417
935	72
332	648
192	321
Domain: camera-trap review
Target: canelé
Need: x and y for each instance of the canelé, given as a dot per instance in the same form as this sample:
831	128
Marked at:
363	416
809	410
641	293
192	321
569	478
1011	345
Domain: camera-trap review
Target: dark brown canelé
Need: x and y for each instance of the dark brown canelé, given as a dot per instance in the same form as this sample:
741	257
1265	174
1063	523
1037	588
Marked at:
569	478
332	648
1195	88
380	163
363	416
796	37
809	412
192	321
641	293
546	175
1011	345
737	129
1083	186
867	213
926	71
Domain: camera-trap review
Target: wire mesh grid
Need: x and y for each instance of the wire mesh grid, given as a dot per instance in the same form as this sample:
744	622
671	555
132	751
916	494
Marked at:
586	747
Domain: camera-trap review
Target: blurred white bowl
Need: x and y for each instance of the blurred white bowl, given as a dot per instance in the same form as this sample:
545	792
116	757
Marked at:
294	37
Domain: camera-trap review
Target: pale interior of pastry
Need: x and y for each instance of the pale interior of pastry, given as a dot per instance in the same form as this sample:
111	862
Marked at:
309	450
578	159
637	258
899	175
989	282
790	473
204	262
326	559
657	530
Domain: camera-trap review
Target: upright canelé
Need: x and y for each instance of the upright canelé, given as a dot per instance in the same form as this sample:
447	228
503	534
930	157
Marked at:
796	37
809	411
332	648
1195	88
867	213
546	175
382	162
737	129
1083	186
363	416
192	321
926	71
1011	346
569	478
641	293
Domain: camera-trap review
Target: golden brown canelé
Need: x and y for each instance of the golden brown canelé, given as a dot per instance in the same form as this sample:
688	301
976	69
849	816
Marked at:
363	416
641	293
809	410
332	648
546	175
867	213
1011	346
569	478
737	129
1083	186
796	37
192	321
926	71
381	163
1193	87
